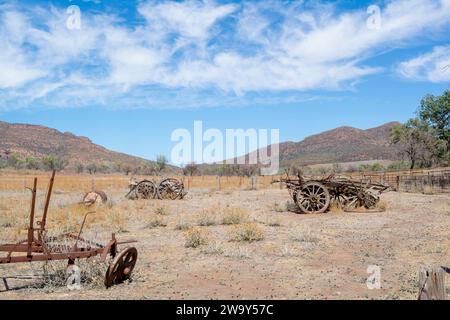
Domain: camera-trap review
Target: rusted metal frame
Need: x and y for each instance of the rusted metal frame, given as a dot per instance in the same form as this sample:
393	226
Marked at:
47	202
110	248
53	256
19	248
75	237
30	237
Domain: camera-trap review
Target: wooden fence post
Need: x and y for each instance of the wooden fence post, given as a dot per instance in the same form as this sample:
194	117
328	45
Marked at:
432	284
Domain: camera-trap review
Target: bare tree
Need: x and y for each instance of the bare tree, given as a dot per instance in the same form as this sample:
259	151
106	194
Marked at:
190	169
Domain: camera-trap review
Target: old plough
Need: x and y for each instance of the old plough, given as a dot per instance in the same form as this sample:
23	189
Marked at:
40	247
169	188
316	195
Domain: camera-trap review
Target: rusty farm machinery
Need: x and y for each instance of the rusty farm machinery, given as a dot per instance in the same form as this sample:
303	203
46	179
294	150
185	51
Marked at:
316	195
169	188
68	246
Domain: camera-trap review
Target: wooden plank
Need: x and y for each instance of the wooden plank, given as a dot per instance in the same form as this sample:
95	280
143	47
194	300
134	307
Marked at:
432	284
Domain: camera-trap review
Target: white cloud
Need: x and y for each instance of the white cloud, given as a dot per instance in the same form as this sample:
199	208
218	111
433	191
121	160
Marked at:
202	48
433	66
191	18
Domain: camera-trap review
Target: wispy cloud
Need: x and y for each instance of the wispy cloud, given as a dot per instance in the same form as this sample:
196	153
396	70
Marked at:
194	52
432	66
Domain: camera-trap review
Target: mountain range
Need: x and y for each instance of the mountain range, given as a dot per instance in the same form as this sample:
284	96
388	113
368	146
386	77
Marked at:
343	144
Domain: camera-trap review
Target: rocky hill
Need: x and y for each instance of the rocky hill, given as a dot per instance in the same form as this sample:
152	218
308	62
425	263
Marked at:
39	141
343	144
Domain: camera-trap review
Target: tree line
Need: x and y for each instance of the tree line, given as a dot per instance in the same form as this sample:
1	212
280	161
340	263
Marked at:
424	141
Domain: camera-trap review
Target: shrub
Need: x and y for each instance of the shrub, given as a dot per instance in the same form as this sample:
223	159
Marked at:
213	249
234	216
155	222
182	225
162	211
247	232
305	236
196	237
399	166
207	219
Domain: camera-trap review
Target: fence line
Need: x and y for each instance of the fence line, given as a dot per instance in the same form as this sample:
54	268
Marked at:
433	181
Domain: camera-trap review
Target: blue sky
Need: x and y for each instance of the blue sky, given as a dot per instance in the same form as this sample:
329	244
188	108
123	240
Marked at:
137	70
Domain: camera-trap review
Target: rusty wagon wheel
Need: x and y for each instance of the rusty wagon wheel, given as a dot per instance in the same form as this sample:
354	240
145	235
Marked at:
121	266
170	188
96	196
145	190
313	197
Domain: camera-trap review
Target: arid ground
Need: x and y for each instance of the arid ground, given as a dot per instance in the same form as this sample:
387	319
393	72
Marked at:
292	256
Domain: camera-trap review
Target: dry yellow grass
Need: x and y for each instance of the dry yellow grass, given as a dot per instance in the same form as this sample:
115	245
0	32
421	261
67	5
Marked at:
17	180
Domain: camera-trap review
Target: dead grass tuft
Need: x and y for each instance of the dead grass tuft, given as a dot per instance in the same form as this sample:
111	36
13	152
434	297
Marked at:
247	232
154	222
196	237
182	224
213	249
162	211
305	236
234	216
207	218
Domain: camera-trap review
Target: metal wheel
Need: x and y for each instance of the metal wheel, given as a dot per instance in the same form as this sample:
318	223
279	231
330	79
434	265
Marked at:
121	266
96	196
145	190
170	189
313	197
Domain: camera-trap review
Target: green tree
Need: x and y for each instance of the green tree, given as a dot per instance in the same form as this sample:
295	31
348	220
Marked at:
53	162
3	163
399	165
435	111
418	142
190	169
79	167
91	168
31	163
16	161
127	169
161	161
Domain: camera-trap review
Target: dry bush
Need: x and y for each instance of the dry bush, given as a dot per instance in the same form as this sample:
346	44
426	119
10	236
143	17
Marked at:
154	222
162	211
207	218
247	232
279	208
238	252
196	237
428	190
234	216
213	249
182	224
305	236
382	205
55	274
118	220
291	206
288	251
273	222
335	207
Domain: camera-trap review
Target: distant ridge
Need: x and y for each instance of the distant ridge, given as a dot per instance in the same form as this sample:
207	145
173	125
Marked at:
39	141
343	144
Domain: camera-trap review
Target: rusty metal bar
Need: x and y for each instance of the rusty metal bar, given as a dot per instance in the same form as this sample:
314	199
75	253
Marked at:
31	226
53	256
47	200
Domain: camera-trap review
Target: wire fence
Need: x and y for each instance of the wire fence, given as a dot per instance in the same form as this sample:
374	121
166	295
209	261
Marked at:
425	181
